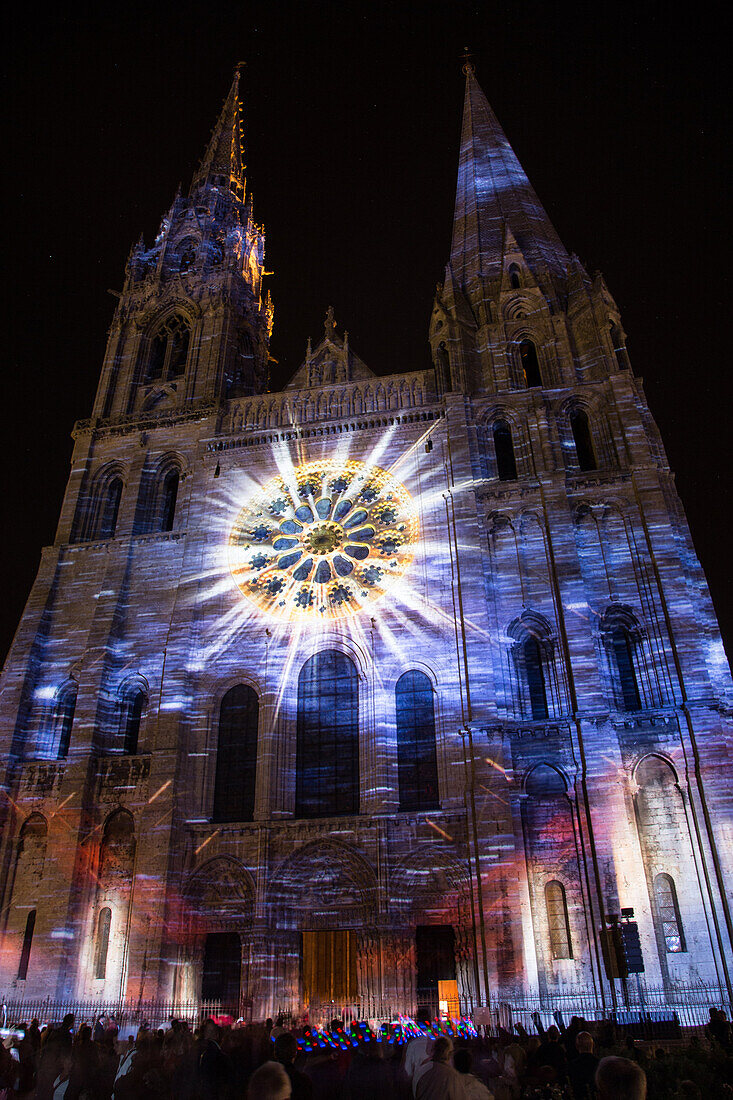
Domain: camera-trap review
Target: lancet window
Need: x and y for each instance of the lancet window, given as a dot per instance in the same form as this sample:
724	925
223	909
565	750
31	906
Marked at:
506	464
327	758
668	913
416	753
236	755
530	364
169	349
561	946
584	451
64	717
104	924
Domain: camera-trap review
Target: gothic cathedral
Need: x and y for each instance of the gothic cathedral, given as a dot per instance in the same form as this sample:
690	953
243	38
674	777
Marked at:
378	691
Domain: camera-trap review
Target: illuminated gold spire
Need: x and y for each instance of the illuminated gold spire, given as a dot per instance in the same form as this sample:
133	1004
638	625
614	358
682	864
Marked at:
223	162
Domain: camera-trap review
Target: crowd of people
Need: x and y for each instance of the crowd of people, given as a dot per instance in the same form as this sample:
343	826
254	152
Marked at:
421	1062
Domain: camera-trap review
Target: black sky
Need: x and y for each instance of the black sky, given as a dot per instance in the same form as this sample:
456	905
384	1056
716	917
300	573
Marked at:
619	114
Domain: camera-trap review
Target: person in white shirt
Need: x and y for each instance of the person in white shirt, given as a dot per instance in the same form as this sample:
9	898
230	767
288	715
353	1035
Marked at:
442	1081
473	1088
418	1056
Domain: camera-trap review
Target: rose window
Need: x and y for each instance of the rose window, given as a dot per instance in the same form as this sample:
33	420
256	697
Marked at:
327	541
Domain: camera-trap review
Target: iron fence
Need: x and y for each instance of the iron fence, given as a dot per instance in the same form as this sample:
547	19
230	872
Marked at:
127	1016
641	1010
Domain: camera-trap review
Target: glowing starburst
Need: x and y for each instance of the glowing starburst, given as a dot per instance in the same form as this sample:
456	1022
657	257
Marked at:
327	543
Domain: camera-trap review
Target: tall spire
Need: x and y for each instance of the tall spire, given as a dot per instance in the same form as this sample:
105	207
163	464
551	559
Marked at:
494	192
223	162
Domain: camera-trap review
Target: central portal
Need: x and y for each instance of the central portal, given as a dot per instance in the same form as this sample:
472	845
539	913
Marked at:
329	966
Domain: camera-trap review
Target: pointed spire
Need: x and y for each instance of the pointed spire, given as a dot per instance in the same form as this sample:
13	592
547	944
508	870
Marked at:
493	191
224	155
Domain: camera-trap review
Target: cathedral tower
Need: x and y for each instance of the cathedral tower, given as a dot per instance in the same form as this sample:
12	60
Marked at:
381	691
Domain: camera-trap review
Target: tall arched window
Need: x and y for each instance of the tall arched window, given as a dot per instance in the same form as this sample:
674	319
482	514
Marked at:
133	704
623	655
110	508
444	366
580	428
168	501
504	447
327	758
530	364
65	708
168	350
416	756
104	923
236	755
561	946
514	280
668	913
535	677
25	951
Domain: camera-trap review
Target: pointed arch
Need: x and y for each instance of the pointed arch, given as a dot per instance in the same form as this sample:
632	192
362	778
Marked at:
64	717
132	700
416	750
166	349
506	464
236	755
529	363
325	881
533	653
668	913
580	427
621	637
561	944
327	755
99	508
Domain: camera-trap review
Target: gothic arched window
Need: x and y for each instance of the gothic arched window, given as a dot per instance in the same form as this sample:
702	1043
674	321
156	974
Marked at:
504	447
133	704
514	280
64	717
236	755
169	350
530	364
327	758
104	924
110	509
668	913
168	500
580	428
561	946
416	756
25	951
444	366
535	677
623	654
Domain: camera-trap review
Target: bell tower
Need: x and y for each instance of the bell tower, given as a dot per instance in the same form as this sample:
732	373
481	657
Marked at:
192	327
516	311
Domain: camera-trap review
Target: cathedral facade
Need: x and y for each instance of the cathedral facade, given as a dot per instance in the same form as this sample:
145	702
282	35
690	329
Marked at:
378	691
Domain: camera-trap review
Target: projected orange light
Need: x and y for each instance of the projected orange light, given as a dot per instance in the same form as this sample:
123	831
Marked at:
324	543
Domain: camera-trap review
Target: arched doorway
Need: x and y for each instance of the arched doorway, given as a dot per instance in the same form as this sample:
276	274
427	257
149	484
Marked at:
215	961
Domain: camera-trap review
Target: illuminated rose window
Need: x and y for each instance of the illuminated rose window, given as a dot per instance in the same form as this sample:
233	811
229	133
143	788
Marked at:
327	542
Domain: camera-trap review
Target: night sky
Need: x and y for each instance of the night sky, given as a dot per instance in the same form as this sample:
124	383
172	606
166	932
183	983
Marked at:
352	121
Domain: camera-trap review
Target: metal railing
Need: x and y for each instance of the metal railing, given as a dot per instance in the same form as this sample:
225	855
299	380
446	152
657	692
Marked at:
127	1016
642	1011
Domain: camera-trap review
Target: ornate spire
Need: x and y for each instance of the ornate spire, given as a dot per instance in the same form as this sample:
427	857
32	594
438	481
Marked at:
223	162
493	190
